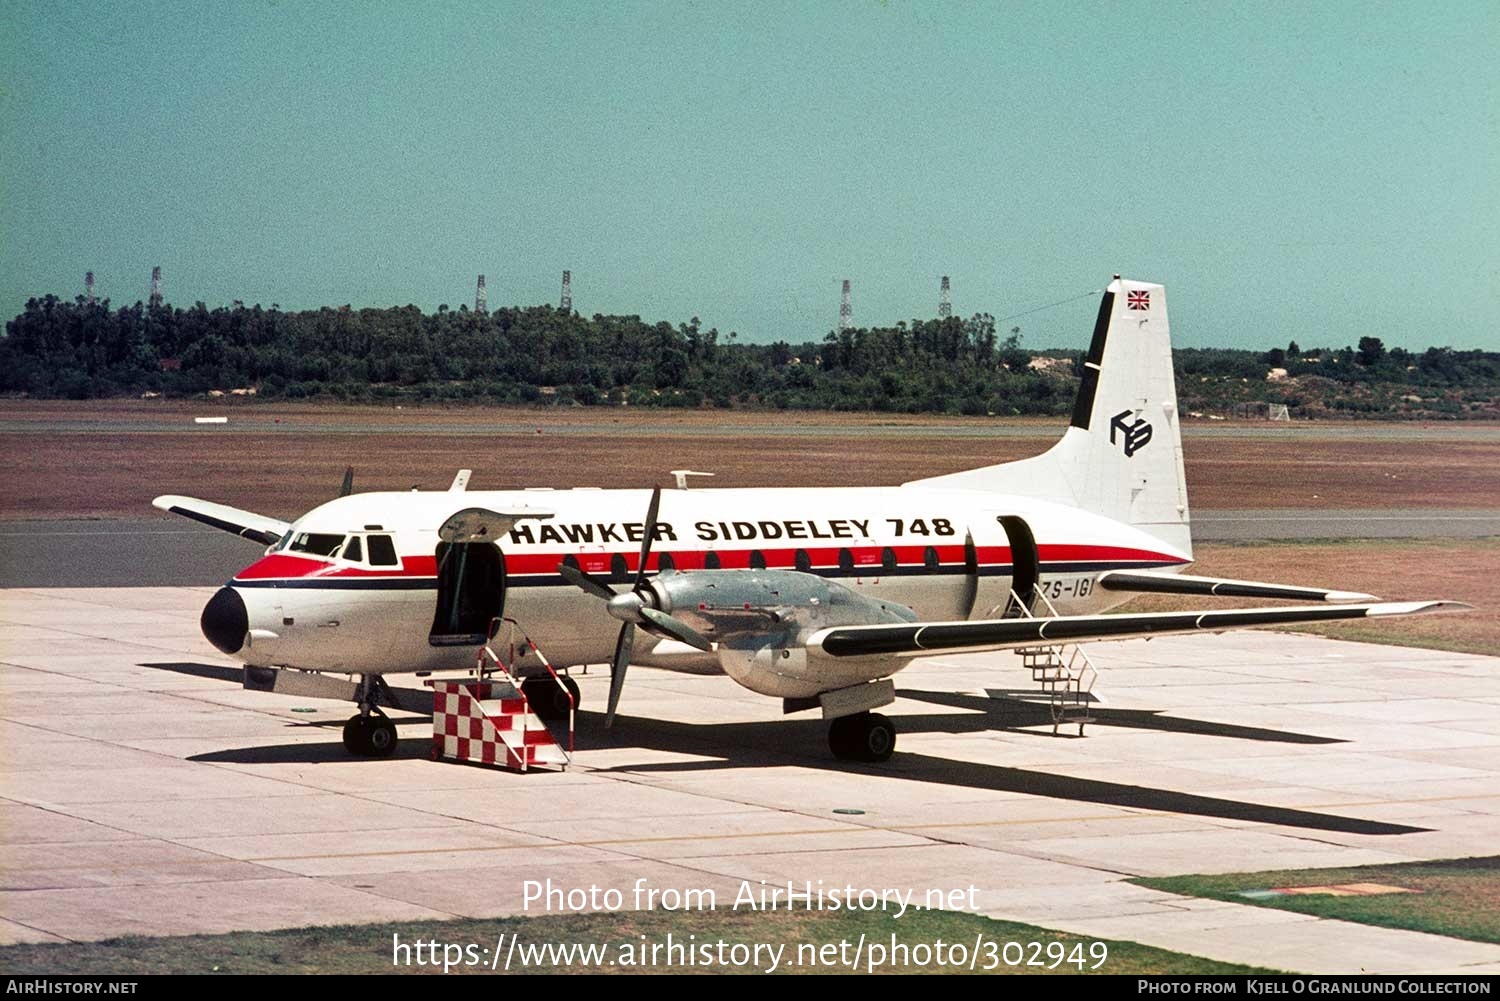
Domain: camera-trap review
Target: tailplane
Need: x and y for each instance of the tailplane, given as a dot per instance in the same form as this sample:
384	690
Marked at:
1121	456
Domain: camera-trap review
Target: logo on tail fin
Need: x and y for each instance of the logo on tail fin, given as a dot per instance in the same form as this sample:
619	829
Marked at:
1136	435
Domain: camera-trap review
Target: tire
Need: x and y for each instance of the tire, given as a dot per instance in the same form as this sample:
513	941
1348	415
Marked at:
862	737
357	736
380	737
878	739
843	734
547	698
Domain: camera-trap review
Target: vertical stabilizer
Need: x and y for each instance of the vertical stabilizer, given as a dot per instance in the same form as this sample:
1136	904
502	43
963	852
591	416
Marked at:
1121	456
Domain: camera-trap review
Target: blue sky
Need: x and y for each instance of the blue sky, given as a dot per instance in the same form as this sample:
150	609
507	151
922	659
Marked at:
1317	172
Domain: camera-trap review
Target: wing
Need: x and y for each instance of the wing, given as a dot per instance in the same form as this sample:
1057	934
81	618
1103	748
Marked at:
1148	582
246	524
916	638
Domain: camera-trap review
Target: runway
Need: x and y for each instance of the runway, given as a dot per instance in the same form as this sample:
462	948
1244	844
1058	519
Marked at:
168	551
142	791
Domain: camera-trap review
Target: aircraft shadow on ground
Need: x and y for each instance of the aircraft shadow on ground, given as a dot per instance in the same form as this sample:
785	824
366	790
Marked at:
800	743
1012	710
218	672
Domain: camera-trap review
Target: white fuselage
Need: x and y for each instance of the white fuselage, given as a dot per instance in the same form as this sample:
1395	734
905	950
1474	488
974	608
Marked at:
900	544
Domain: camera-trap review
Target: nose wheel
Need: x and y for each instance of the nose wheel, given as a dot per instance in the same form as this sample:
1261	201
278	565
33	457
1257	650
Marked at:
372	736
862	737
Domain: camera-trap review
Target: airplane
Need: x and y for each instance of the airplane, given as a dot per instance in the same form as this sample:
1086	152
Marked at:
815	596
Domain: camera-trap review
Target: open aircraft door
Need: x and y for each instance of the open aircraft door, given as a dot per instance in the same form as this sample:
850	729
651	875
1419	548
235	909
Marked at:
1025	563
471	575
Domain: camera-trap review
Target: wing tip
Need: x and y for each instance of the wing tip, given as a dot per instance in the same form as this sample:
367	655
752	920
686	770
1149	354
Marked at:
1418	607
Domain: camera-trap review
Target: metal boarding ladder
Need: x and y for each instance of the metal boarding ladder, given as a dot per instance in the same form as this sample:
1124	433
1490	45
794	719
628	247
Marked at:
518	645
1064	671
489	720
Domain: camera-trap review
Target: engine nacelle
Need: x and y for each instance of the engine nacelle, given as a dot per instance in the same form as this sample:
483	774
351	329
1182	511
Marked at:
761	619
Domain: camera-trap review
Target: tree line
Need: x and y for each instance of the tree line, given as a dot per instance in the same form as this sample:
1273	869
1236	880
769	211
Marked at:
75	349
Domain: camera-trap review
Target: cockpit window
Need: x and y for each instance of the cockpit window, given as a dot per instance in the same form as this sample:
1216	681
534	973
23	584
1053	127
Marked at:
353	550
316	543
382	551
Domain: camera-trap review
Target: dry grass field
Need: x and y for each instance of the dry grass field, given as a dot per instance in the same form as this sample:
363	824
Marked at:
282	460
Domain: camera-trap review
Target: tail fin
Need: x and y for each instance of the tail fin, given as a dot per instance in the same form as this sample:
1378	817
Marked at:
1121	456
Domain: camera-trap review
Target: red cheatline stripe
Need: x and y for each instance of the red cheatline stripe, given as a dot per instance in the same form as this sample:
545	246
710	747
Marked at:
283	566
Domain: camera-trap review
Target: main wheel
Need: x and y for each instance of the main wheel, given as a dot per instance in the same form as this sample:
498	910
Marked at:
862	737
547	698
877	738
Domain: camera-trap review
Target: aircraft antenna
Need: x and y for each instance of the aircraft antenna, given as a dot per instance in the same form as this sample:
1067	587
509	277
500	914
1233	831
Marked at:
945	302
481	306
88	288
566	304
846	314
155	298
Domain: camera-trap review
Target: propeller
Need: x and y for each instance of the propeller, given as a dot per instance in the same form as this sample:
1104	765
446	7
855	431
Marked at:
633	608
347	487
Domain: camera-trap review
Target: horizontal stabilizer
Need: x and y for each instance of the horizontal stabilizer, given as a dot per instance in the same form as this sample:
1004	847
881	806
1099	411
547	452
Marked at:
999	634
246	524
1146	582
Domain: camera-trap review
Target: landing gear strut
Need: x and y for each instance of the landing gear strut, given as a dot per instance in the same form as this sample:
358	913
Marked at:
370	733
862	737
548	699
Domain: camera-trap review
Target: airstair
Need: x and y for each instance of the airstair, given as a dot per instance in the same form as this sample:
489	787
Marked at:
1063	670
487	719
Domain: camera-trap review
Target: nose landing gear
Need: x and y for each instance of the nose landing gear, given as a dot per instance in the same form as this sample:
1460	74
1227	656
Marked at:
370	733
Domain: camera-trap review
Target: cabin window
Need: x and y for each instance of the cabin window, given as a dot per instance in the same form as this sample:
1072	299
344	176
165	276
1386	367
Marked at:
930	558
618	569
803	561
664	562
382	551
316	543
846	561
354	550
888	560
757	560
711	561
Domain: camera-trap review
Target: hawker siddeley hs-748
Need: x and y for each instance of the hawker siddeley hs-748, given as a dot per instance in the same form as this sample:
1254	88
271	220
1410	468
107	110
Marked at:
815	596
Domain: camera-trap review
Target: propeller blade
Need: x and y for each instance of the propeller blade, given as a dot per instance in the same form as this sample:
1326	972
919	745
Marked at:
348	485
623	647
640	574
578	578
675	629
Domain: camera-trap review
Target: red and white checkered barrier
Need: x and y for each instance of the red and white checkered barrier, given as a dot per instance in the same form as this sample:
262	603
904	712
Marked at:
490	723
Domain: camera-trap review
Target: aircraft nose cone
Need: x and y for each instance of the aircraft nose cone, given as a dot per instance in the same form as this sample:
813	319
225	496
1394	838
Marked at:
225	620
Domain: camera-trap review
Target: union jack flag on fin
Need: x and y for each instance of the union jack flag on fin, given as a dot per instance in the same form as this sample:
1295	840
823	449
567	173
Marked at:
1138	300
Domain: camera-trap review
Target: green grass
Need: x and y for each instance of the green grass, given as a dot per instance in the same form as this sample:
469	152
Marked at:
368	948
1459	897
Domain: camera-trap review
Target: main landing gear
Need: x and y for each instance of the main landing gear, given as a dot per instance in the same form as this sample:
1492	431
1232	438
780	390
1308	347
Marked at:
548	699
370	733
862	737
